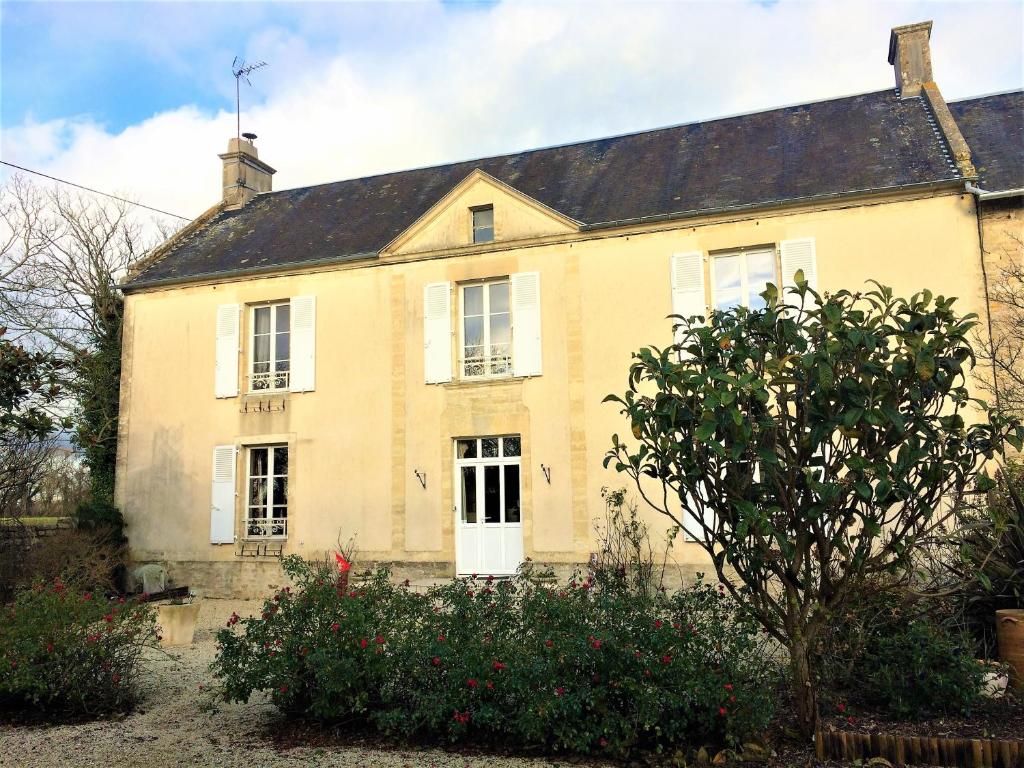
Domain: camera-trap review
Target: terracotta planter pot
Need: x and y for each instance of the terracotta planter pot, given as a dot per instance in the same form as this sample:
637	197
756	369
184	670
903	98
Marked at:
177	623
1010	634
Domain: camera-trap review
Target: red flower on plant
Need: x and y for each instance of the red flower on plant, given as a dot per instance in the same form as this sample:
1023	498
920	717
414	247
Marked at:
723	711
436	661
379	639
471	683
657	623
116	678
603	741
490	685
549	643
666	659
49	647
498	666
841	707
108	618
728	686
559	691
87	596
363	643
440	638
851	719
335	627
343	564
283	689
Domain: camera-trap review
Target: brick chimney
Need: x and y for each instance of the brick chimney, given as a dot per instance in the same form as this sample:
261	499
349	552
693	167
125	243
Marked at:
245	175
911	57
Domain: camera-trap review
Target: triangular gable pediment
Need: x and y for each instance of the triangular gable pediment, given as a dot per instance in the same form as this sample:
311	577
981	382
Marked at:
448	224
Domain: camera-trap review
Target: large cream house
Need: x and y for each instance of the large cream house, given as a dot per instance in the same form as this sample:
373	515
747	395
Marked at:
419	358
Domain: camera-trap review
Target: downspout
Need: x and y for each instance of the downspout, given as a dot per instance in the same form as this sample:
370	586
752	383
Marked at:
979	195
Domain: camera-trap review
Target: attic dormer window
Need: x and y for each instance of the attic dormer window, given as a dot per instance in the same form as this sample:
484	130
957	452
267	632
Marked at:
483	224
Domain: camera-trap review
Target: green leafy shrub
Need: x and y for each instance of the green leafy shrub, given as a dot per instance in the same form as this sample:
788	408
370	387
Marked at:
67	651
892	656
579	668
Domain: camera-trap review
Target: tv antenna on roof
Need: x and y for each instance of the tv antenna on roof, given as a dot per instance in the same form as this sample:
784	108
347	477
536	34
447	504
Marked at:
240	69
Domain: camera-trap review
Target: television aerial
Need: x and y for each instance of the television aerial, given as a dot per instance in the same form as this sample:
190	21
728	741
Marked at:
240	69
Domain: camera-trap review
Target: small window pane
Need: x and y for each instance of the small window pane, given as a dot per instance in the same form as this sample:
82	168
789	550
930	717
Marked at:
511	446
483	217
483	235
501	330
281	460
492	494
283	316
474	331
469	494
280	490
258	492
257	461
281	346
512	514
490	447
261	353
473	300
498	297
727	273
467	449
261	320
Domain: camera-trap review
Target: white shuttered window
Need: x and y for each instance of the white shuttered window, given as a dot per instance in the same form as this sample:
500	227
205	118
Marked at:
799	255
226	353
437	333
303	343
687	279
222	497
527	354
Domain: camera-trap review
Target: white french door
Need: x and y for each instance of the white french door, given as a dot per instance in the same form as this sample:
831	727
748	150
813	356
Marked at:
488	505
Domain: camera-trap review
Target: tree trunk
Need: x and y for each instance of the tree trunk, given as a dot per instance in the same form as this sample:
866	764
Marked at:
805	697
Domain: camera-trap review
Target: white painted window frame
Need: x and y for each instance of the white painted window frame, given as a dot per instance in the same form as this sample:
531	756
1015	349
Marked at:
501	460
268	507
272	376
744	280
488	374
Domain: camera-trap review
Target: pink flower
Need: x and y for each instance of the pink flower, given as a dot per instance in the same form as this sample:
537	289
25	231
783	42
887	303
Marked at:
559	691
335	627
343	564
841	708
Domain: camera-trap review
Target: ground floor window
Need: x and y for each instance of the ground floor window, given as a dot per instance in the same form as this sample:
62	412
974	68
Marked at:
488	504
267	491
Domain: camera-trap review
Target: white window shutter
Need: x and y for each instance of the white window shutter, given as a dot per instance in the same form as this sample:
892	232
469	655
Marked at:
226	365
688	286
798	255
222	497
526	334
303	344
437	333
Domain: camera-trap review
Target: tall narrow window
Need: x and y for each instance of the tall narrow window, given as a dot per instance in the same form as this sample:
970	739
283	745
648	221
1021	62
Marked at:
271	347
483	224
486	330
738	278
267	492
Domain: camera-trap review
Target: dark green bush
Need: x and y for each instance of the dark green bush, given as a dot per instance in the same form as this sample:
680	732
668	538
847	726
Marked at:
580	668
890	655
71	652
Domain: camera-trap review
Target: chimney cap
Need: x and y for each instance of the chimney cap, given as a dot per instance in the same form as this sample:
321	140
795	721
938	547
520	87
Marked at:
906	29
250	136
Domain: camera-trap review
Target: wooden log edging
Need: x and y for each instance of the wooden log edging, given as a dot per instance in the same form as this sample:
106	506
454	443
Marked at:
832	744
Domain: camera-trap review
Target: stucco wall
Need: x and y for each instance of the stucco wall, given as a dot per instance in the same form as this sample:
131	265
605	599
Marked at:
357	439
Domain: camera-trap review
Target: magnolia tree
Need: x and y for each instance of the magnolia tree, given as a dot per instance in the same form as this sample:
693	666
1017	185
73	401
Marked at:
808	447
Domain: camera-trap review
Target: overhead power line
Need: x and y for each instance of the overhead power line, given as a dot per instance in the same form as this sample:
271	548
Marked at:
94	191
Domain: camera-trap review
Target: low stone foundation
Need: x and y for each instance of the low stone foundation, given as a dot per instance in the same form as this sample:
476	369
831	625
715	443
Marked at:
252	578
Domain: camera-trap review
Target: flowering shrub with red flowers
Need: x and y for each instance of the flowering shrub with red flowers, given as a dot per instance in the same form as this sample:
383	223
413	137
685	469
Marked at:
583	667
67	651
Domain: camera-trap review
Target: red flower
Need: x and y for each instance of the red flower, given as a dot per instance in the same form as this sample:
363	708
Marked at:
647	673
233	620
461	717
343	564
379	639
595	644
549	643
471	683
728	686
498	666
723	711
559	691
116	678
851	719
603	741
49	647
841	708
283	689
87	596
120	601
440	638
335	627
666	659
363	643
490	685
108	618
657	623
469	592
436	661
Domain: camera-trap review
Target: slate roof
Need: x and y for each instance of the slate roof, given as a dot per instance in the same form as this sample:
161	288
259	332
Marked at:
993	127
872	141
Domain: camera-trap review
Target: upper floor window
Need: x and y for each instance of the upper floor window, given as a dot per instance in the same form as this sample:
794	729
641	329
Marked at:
271	347
739	277
483	224
486	329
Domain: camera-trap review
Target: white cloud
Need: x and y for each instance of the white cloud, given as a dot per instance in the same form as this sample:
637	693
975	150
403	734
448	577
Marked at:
516	76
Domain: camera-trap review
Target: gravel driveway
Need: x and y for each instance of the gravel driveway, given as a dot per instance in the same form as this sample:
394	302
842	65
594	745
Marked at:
169	728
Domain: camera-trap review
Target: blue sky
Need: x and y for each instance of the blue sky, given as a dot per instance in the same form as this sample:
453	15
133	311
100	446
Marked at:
89	91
